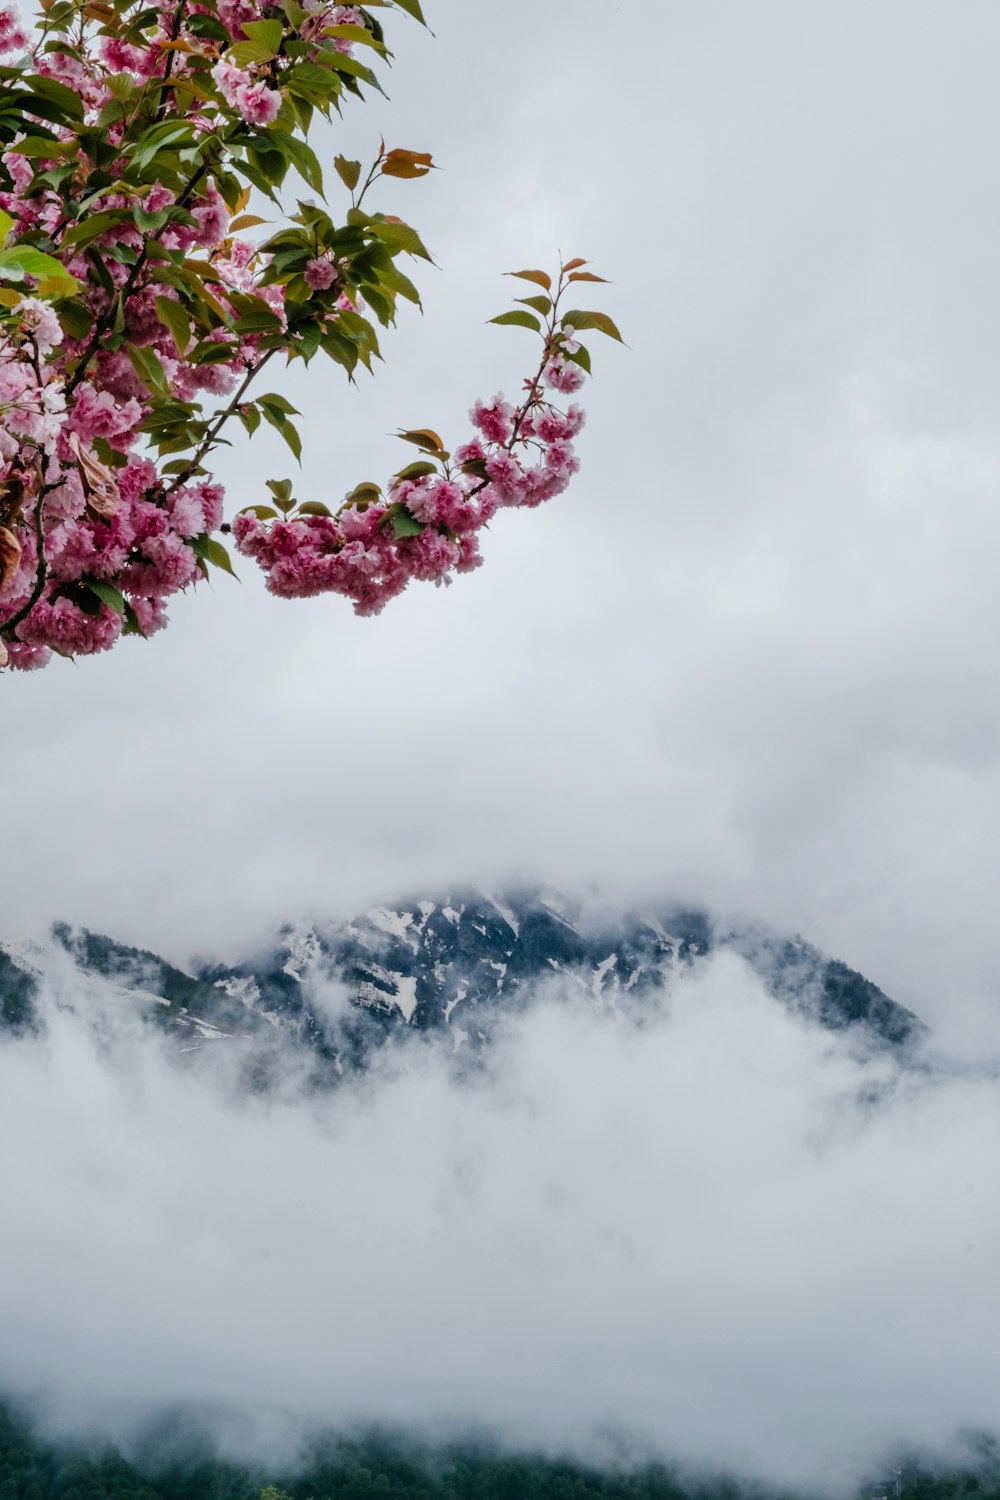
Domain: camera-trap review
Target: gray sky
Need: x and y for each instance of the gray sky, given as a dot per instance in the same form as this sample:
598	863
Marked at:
750	657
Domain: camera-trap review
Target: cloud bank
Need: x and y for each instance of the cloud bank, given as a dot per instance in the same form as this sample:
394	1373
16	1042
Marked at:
716	1234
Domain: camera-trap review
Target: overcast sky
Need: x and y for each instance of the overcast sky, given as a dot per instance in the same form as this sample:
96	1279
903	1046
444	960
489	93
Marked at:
750	658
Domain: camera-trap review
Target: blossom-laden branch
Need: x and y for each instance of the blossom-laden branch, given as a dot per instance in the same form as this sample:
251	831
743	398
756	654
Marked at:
424	525
136	317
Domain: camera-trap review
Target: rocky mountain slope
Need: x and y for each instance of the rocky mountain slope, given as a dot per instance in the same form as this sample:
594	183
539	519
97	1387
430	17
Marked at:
447	967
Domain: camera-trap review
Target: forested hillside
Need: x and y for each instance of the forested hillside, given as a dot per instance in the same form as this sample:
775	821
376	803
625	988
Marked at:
379	1467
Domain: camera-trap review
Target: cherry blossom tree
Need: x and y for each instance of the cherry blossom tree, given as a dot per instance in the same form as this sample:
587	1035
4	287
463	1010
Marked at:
138	316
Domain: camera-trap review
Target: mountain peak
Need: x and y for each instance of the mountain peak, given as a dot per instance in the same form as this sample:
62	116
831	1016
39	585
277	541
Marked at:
451	965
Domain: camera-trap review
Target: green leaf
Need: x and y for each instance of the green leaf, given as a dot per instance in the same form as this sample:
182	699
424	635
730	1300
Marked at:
364	494
403	524
262	512
210	352
351	33
149	370
175	319
542	305
581	358
245	53
132	626
412	8
519	319
279	421
258	322
88	229
281	489
151	222
314	508
76	318
66	100
267	33
209	550
160	137
121	85
600	321
23	260
107	593
349	172
6	225
302	157
282	404
39	147
398	237
417	469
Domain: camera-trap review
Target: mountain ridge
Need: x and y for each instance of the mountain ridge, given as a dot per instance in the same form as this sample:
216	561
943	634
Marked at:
449	967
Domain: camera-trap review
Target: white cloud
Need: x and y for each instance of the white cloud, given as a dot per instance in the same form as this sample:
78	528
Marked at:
717	1232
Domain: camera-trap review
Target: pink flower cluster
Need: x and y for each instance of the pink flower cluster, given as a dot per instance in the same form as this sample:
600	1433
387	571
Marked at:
94	536
124	538
257	103
519	458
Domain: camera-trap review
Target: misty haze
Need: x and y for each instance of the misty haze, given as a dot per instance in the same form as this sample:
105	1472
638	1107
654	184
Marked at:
542	1042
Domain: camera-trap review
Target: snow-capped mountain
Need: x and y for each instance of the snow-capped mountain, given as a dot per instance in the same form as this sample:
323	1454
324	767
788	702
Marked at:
448	967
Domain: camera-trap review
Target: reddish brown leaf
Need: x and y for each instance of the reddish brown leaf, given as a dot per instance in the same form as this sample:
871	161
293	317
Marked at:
103	495
10	558
400	163
540	278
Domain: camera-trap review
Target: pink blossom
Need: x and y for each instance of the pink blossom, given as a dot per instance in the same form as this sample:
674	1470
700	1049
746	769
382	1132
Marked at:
97	414
469	554
150	614
97	549
258	104
362	525
575	418
507	478
213	216
13	37
165	565
562	376
59	622
470	452
187	516
432	555
159	197
230	78
121	57
319	274
561	460
550	425
494	422
40	320
25	658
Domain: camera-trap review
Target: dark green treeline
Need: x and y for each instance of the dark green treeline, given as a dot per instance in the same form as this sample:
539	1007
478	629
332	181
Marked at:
373	1468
